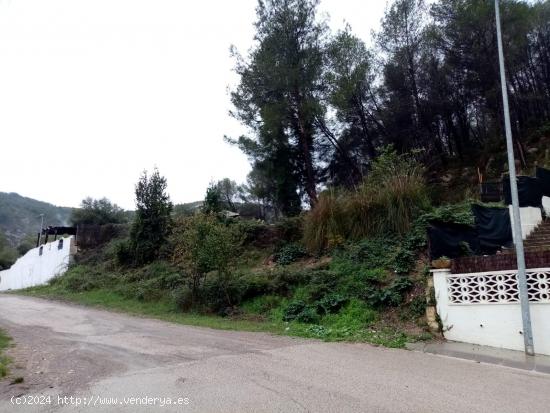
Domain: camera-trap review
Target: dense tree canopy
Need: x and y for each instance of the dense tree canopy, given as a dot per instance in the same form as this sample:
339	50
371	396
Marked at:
320	105
98	212
222	195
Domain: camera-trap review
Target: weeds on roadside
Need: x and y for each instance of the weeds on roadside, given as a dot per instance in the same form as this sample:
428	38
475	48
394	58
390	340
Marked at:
4	360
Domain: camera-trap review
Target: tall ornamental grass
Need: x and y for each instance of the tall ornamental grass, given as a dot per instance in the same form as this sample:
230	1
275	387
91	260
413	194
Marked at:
389	199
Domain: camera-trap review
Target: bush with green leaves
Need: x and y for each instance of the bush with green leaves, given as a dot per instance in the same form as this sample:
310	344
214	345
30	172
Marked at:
417	307
392	295
4	360
123	252
458	213
80	278
364	255
301	312
182	297
262	304
202	244
8	255
290	253
251	230
331	303
354	315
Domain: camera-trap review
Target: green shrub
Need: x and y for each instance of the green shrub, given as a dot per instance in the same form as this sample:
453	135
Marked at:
299	311
293	310
123	252
182	297
354	316
216	294
202	244
351	321
283	280
4	360
8	255
290	228
251	230
83	278
152	289
417	307
263	304
458	213
289	253
330	303
391	296
364	255
253	285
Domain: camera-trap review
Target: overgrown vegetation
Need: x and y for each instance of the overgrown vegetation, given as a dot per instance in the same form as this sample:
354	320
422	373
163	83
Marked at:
203	244
4	360
319	113
224	267
387	202
361	277
8	254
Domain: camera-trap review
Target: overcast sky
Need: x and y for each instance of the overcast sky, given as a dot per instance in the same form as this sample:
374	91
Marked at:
93	92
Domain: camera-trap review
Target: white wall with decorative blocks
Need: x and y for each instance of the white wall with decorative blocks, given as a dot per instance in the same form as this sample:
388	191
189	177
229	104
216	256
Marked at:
483	308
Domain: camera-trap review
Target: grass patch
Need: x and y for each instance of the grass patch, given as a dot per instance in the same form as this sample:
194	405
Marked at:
354	322
162	309
4	360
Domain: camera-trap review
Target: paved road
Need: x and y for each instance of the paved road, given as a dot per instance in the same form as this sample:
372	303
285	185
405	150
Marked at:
74	351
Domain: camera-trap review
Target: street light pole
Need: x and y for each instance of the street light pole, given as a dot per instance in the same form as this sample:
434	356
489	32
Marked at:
518	240
41	228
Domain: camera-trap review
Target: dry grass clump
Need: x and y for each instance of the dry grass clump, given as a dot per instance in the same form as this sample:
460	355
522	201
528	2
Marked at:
385	203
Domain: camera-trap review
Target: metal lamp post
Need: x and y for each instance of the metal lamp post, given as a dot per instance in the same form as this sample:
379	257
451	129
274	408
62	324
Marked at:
518	240
41	228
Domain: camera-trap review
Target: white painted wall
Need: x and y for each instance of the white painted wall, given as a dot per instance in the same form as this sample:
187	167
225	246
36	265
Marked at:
546	205
496	325
530	217
35	269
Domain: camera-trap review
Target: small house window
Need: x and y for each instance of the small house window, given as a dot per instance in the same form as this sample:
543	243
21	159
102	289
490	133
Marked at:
40	250
60	244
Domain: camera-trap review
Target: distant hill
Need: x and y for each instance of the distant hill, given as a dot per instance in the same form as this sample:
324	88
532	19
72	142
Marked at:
187	209
20	216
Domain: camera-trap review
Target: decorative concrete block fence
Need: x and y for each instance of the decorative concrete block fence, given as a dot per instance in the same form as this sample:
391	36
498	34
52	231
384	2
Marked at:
483	308
39	265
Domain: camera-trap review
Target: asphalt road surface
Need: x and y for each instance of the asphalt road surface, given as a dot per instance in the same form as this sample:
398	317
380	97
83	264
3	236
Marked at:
109	362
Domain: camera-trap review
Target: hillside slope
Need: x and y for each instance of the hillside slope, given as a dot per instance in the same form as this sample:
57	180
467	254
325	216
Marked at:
20	216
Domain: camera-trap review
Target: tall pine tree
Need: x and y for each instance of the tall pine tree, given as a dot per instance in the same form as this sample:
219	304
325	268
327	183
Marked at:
279	99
